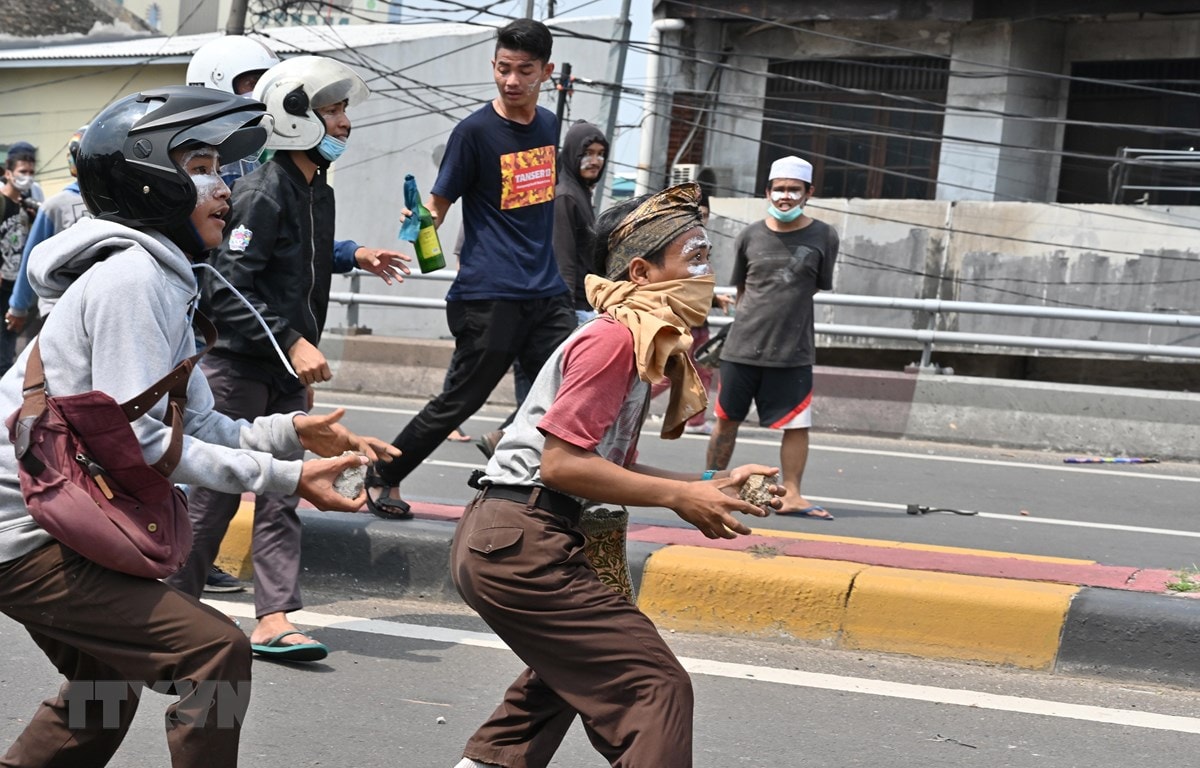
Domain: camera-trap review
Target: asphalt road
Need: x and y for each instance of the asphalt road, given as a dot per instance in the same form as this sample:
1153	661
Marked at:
408	681
399	666
1028	501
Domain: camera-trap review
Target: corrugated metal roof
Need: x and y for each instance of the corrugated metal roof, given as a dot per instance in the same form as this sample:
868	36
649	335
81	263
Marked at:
284	40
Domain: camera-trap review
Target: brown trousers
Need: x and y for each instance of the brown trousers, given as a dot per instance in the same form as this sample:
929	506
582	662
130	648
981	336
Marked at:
589	650
105	632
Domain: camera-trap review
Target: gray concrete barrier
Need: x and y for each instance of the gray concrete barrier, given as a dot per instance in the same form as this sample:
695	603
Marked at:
1071	418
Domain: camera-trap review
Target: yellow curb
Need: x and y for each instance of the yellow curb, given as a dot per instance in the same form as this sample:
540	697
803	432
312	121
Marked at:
887	544
234	557
856	606
699	589
950	616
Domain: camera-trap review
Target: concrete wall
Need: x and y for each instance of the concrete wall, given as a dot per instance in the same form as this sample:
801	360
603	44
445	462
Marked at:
1111	257
1074	418
988	157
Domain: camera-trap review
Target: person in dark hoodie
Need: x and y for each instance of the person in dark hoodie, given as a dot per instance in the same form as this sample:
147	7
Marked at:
580	166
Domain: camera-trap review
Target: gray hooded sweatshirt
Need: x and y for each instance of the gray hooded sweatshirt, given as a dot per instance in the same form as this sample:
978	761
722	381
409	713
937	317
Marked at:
123	320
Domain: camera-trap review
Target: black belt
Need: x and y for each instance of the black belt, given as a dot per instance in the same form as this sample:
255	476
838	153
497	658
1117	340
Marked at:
536	496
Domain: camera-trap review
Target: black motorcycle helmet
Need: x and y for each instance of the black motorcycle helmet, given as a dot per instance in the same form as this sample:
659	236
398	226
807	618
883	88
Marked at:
125	169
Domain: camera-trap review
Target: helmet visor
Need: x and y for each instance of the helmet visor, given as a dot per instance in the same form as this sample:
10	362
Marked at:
235	135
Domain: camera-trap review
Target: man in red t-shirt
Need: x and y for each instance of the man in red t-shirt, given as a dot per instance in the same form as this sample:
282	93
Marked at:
518	554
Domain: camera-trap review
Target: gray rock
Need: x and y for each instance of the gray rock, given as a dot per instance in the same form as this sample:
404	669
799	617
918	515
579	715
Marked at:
757	490
350	482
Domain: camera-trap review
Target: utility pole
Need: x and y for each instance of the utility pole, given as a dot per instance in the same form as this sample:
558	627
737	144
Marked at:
650	179
566	87
612	97
529	9
236	25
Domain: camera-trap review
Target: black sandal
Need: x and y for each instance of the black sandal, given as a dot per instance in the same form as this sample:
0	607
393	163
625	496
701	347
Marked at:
384	505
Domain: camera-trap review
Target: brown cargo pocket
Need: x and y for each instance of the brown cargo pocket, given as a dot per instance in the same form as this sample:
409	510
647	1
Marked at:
488	540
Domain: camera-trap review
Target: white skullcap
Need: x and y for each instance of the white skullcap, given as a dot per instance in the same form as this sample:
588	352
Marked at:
791	167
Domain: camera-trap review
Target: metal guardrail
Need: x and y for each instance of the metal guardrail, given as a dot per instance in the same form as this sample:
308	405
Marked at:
927	337
1170	170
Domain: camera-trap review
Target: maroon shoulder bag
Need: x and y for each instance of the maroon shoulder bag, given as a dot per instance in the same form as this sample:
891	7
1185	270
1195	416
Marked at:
85	480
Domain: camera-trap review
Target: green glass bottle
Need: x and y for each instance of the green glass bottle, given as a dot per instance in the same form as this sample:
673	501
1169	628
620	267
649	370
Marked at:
427	245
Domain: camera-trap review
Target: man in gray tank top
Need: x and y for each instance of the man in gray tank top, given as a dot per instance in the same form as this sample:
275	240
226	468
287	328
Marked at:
518	554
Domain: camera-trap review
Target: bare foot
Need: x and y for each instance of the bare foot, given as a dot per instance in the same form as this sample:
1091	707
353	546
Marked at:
457	436
798	506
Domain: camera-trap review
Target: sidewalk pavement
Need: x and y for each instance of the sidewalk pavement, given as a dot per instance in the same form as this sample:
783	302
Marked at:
1053	614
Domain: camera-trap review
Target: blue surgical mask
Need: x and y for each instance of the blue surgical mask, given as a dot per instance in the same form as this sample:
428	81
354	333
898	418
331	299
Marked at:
330	148
785	216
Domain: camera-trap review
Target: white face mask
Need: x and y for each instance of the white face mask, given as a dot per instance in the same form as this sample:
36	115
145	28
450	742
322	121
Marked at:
22	181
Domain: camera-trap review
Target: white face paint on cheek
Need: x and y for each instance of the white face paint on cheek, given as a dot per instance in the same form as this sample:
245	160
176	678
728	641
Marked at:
699	270
207	187
777	196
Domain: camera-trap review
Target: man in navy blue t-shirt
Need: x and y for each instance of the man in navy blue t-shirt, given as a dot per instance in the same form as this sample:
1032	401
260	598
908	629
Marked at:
509	301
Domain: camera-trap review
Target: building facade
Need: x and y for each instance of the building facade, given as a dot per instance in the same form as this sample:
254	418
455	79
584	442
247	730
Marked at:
945	100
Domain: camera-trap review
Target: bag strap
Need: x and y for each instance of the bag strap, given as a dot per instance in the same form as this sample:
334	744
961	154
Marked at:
173	384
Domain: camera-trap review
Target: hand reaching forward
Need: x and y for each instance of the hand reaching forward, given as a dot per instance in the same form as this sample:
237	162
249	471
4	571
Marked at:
316	483
709	504
391	266
324	436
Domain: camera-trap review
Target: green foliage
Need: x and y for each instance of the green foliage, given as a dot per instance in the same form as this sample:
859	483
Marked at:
1186	580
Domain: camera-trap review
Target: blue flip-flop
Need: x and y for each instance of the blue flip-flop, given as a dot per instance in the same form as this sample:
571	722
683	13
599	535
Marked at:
814	512
275	649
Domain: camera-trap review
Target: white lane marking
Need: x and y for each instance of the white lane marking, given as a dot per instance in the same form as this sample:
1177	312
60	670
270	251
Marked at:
797	678
903	508
653	431
1017	518
929	693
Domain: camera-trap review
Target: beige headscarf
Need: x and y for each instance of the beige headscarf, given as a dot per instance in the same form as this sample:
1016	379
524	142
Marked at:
661	316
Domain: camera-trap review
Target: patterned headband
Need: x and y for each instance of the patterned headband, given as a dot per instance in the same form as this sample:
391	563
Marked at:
652	225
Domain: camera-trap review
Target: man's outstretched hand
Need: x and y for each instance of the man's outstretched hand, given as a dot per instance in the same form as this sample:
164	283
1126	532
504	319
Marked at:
325	436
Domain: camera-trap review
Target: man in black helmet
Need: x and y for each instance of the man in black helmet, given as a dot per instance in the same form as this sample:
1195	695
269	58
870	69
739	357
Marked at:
126	293
279	255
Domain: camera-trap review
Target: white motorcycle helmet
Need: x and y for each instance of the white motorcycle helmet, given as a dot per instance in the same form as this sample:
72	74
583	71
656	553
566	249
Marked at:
219	63
296	88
